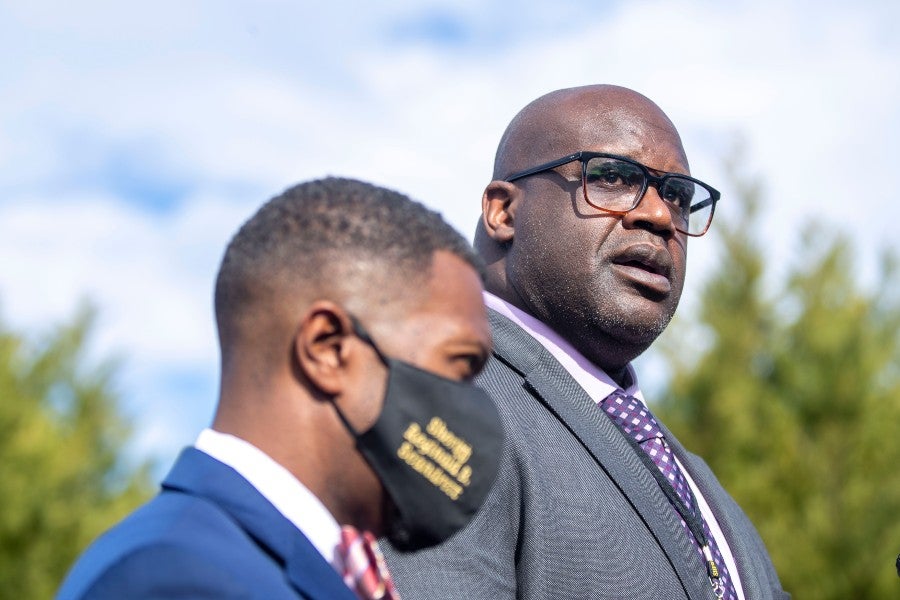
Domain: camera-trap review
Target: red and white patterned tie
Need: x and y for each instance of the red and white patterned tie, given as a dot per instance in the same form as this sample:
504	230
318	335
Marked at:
364	570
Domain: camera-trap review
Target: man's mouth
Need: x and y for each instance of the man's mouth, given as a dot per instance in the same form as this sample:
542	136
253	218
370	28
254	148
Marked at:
646	265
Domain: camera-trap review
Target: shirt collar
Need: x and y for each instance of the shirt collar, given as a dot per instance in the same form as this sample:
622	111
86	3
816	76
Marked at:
589	376
292	499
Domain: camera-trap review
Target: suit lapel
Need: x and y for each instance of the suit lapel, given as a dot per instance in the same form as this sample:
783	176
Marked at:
569	403
726	512
198	474
315	578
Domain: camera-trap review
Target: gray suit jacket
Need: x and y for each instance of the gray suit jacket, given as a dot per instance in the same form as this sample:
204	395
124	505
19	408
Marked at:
574	512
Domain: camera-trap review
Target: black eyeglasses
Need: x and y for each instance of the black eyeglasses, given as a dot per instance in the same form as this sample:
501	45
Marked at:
616	184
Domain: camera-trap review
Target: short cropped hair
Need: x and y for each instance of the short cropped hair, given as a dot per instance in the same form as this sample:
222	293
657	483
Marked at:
302	237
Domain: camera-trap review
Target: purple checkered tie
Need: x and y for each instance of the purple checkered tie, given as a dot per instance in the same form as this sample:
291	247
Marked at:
636	421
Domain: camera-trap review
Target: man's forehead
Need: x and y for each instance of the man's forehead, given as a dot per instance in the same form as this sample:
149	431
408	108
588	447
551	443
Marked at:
629	127
447	305
601	118
645	137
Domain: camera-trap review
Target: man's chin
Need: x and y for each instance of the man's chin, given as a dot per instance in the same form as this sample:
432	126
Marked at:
637	327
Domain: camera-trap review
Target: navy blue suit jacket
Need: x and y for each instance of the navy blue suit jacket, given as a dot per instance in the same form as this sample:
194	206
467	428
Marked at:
208	534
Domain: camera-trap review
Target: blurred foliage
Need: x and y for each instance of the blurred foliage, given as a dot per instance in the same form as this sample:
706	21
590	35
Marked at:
62	475
792	394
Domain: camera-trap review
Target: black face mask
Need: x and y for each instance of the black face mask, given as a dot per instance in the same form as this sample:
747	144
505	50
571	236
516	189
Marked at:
436	449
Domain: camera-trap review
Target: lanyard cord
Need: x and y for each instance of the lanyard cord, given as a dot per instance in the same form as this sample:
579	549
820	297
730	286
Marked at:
692	518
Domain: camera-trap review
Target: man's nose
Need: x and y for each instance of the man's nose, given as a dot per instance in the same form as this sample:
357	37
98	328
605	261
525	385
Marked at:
653	213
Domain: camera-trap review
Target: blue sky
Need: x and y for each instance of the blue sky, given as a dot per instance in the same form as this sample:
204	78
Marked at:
135	138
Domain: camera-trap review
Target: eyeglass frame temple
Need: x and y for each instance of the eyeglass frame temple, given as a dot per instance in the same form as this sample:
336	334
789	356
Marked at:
546	167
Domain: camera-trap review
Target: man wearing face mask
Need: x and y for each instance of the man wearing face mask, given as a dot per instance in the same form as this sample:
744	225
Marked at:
350	321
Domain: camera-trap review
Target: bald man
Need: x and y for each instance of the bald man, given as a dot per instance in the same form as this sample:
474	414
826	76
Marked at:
584	231
350	322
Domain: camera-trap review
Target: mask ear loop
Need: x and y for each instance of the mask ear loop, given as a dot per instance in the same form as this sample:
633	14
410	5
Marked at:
360	332
344	420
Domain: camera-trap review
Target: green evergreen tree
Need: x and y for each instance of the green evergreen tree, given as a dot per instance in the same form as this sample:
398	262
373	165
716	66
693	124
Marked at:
792	394
63	479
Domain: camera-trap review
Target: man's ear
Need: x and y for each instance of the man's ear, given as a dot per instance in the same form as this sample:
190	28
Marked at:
321	346
498	209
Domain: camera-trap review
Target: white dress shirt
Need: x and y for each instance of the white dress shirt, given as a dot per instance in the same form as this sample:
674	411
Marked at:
598	386
278	486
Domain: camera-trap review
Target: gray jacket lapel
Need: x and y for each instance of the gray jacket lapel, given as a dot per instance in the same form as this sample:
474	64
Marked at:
736	527
566	400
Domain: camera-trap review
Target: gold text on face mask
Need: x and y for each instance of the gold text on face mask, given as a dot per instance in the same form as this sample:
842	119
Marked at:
440	459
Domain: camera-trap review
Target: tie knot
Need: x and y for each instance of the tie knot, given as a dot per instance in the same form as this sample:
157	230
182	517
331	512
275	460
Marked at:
632	416
363	567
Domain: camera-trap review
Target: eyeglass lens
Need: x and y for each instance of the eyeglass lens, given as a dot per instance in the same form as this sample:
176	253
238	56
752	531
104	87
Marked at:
616	185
